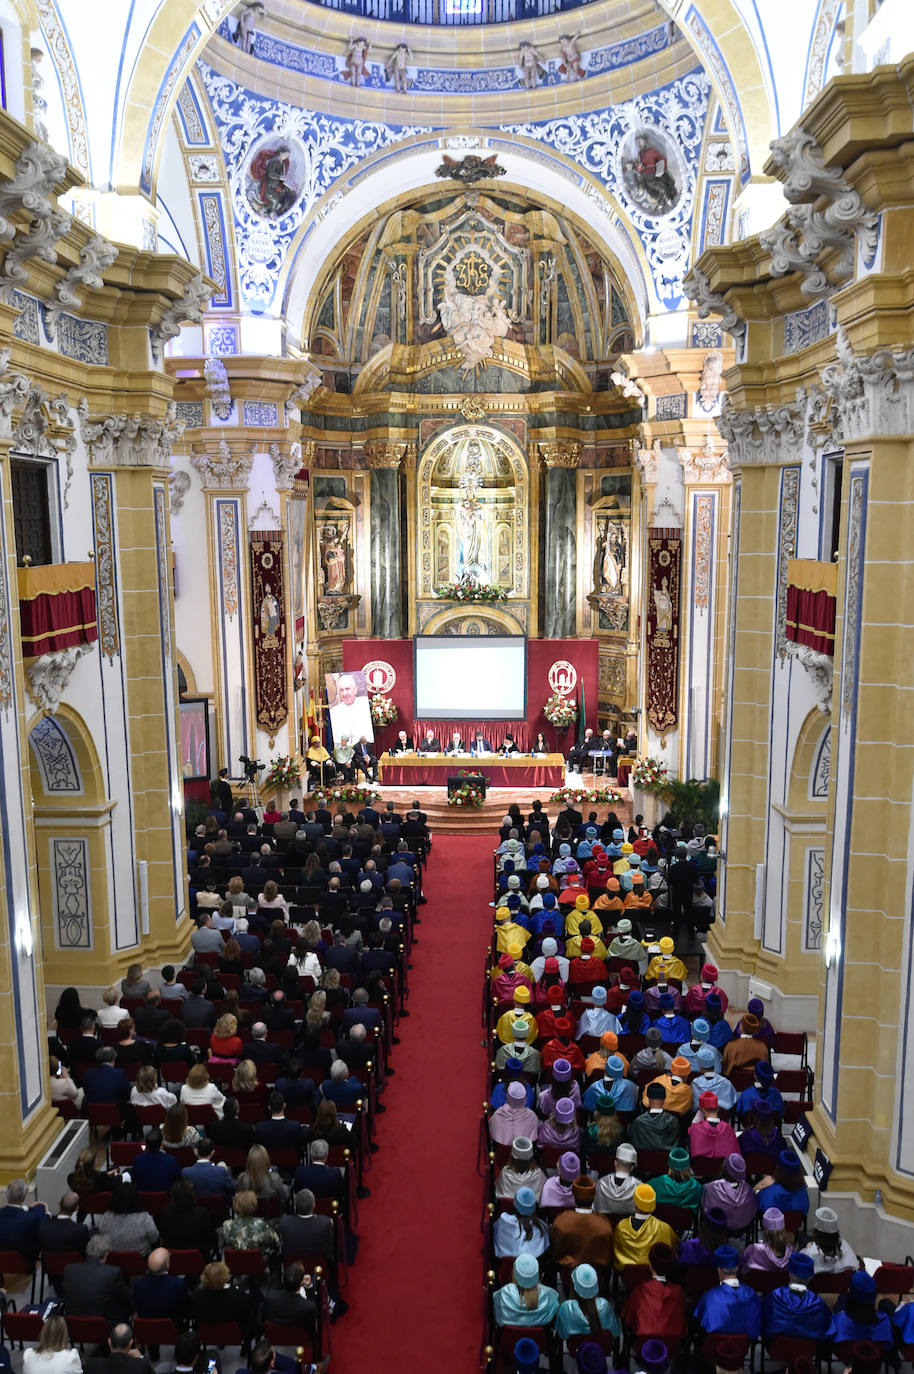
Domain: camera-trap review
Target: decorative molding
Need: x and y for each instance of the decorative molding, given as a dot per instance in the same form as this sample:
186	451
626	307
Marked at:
190	413
613	607
705	334
223	470
129	441
304	391
65	71
227	515
272	521
70	866
187	309
703	555
802	328
260	414
821	668
105	566
648	461
472	408
672	407
286	466
869	395
711	383
565	453
46	429
178	487
97	255
388	455
787	549
815	892
612	678
821	769
696	286
48	675
704	464
56	760
38	171
854	575
767	434
333	610
217	385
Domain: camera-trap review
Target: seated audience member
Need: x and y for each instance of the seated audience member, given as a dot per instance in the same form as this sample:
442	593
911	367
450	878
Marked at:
63	1089
709	1081
521	1171
306	1233
53	1354
122	1355
762	1136
146	1091
206	1177
231	1133
111	1013
732	1194
635	1234
793	1310
745	1049
762	1089
732	1307
125	1223
514	1118
585	1313
86	1178
773	1251
709	1137
657	1128
157	1294
341	1087
323	1179
218	1299
581	1235
105	1082
558	1191
652	1061
20	1220
787	1190
177	1133
855	1317
134	984
525	1301
520	1232
185	1225
92	1288
829	1251
277	1131
260	1177
245	1230
616	1190
200	1091
678	1187
657	1307
63	1231
292	1302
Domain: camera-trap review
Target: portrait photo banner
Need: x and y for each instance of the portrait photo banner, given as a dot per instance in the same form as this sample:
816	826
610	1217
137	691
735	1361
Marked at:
664	563
269	629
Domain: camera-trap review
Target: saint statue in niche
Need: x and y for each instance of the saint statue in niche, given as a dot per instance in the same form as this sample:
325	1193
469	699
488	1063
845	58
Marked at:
663	608
334	559
471	518
648	177
269	613
610	573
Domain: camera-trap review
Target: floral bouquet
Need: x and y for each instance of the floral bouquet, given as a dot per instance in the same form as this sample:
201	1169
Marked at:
560	711
466	588
650	775
282	772
598	795
383	710
466	795
347	792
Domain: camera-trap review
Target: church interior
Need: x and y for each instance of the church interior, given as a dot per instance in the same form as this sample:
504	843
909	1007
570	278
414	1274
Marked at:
338	332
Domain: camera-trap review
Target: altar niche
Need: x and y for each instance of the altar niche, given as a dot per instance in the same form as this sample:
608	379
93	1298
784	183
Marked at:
472	494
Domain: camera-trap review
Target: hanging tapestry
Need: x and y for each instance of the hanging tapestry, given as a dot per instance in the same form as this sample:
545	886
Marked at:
664	559
269	627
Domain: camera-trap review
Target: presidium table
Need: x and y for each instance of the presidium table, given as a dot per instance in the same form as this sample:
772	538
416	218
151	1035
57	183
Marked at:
514	770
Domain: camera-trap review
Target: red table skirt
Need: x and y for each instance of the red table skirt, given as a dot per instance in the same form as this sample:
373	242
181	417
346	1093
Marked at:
533	773
624	770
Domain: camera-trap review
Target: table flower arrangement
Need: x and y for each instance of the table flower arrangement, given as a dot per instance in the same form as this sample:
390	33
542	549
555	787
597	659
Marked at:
466	795
347	792
383	710
466	588
598	795
650	775
282	772
560	711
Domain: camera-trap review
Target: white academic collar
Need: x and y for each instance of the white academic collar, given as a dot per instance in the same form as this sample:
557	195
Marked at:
731	1283
797	1287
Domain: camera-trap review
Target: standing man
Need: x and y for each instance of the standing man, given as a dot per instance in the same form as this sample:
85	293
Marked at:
222	792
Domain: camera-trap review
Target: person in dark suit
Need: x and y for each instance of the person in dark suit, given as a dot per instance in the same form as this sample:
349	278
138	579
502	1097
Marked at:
19	1222
83	1049
207	1178
63	1231
571	817
197	1011
364	761
324	819
221	792
159	1294
231	1133
429	743
92	1288
260	1050
154	1170
297	1090
122	1357
319	1177
277	1015
105	1082
217	1299
149	1019
290	1304
304	1233
402	744
480	744
344	958
277	1132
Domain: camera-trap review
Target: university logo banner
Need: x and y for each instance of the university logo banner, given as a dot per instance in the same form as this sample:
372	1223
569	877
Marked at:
664	561
269	629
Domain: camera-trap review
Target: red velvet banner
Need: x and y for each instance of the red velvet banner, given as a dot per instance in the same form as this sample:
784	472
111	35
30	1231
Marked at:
664	560
811	619
269	629
583	654
56	607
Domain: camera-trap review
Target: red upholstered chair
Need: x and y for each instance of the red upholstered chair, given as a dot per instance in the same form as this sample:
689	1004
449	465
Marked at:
22	1326
88	1330
250	1263
154	1331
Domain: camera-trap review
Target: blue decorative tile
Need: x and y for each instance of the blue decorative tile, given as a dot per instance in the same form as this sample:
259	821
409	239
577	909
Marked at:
671	407
86	341
705	334
26	326
262	413
805	327
191	412
223	340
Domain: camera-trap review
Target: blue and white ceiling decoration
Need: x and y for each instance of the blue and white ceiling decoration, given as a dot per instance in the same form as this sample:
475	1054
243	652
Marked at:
281	160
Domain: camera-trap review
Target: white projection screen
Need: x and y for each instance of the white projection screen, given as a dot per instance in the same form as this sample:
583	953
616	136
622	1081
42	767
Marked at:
469	678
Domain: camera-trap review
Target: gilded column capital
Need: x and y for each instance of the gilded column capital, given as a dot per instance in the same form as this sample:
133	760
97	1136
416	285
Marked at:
129	441
704	464
767	434
564	453
225	469
648	461
287	463
384	455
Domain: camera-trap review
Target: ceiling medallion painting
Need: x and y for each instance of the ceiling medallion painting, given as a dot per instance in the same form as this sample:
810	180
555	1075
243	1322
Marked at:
475	281
275	176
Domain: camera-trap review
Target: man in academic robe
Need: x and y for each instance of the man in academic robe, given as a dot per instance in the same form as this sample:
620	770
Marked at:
655	1129
636	1235
657	1307
709	1081
731	1194
746	1049
709	1137
793	1310
582	1236
732	1308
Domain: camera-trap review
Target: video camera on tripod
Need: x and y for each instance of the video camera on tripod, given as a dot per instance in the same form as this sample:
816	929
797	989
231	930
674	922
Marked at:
251	768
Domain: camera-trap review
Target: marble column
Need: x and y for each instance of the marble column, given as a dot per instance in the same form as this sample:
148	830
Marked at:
559	595
384	460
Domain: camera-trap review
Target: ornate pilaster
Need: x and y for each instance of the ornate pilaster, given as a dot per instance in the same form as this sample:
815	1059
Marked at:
129	441
561	460
225	468
765	435
384	459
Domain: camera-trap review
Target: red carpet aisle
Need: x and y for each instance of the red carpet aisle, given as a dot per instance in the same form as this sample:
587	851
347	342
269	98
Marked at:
414	1291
